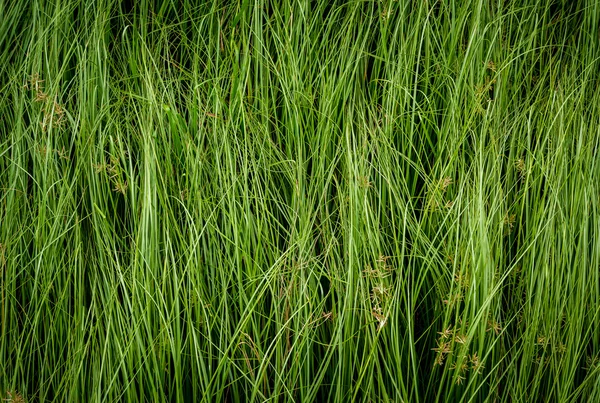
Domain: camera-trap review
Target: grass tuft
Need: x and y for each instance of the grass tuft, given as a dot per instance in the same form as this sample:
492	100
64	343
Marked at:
300	201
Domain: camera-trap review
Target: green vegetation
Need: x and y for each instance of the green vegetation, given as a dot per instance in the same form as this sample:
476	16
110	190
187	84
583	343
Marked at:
300	201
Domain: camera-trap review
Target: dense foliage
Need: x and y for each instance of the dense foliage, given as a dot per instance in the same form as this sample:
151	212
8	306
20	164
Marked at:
300	200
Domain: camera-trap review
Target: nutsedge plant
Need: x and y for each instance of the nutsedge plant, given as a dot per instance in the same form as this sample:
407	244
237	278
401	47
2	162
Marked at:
377	200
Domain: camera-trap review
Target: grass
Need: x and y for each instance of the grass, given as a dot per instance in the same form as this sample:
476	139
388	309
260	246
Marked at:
300	201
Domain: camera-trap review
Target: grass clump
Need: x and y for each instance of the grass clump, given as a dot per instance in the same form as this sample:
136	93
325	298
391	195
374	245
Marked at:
300	201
